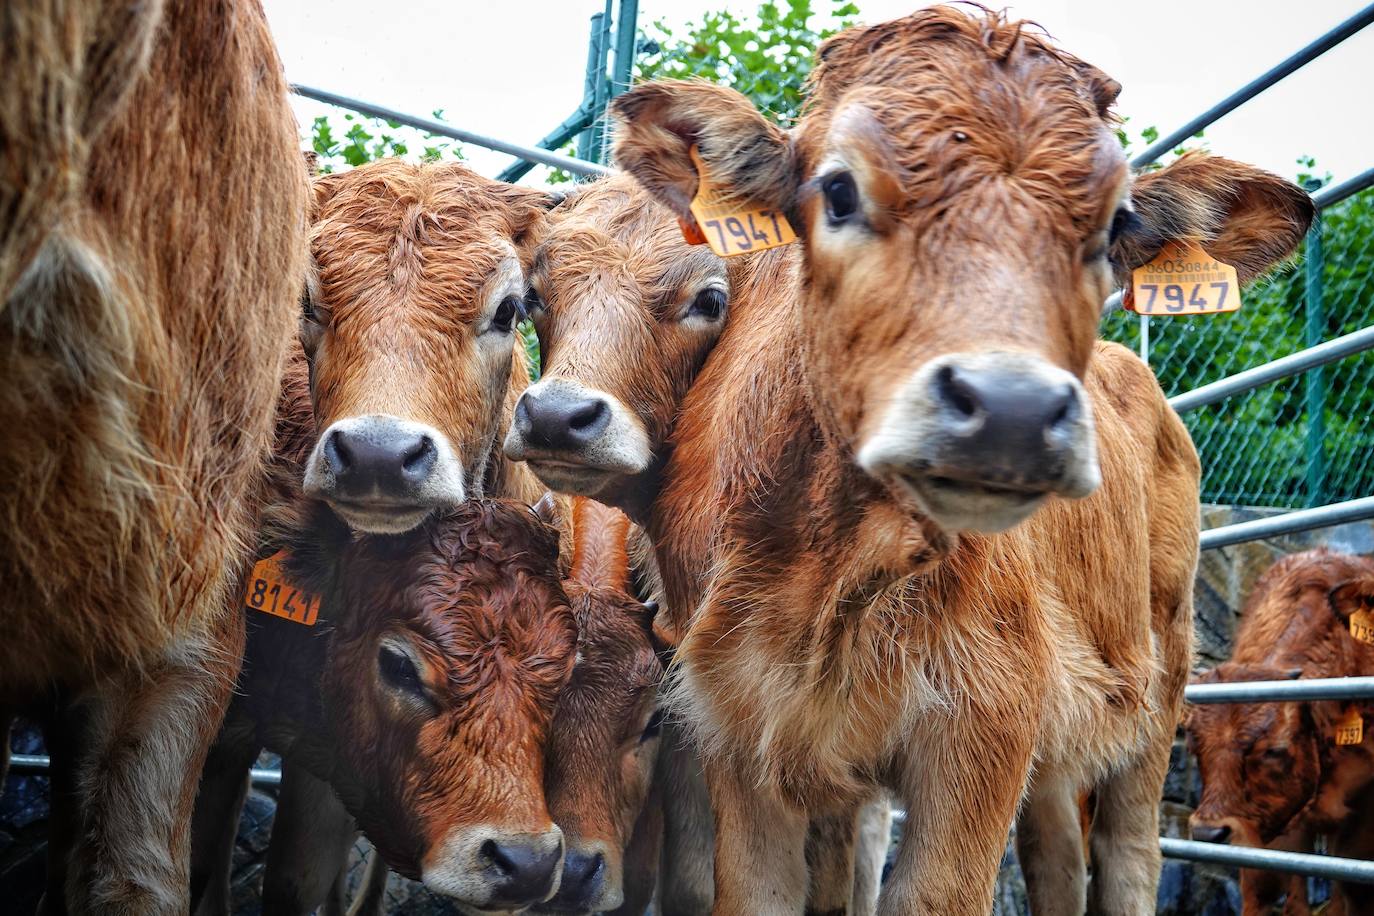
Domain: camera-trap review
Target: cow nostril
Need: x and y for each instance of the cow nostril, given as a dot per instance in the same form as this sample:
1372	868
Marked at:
337	453
586	415
955	392
1067	410
494	854
419	456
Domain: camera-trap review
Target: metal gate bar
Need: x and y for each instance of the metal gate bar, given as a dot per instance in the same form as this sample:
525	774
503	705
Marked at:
1288	523
1317	688
1297	863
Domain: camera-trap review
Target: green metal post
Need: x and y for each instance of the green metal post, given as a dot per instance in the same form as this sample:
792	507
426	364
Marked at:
626	23
1316	378
589	145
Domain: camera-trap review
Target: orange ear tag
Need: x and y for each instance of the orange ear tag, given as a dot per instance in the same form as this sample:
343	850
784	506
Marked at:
1362	626
270	592
1183	280
1350	730
729	227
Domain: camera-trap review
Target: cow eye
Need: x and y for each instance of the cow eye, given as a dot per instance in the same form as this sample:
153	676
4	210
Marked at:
652	729
399	671
310	311
841	196
1122	220
708	304
532	303
506	314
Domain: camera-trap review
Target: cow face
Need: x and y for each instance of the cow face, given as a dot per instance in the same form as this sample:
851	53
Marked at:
605	731
1259	761
626	312
408	322
451	644
964	208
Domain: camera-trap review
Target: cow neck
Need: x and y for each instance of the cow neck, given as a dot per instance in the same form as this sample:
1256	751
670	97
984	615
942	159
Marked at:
733	487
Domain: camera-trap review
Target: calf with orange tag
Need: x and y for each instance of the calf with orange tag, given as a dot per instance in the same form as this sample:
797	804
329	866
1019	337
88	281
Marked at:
1279	774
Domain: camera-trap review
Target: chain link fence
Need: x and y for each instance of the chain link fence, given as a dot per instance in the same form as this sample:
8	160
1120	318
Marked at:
1306	440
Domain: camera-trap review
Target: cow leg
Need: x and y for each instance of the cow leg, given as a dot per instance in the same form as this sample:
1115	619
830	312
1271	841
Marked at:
686	883
830	842
760	848
143	744
312	834
960	787
870	855
224	785
371	898
1125	836
1049	845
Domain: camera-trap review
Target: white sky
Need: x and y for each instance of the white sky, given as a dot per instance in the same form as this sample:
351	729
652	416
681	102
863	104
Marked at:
514	69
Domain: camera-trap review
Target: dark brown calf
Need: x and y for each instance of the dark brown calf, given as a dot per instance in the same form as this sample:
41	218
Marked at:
1272	773
604	741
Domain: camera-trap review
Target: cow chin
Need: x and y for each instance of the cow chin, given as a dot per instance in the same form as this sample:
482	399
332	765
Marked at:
979	441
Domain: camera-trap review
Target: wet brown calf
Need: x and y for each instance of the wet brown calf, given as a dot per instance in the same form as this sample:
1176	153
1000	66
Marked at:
605	735
1272	774
418	280
148	287
963	208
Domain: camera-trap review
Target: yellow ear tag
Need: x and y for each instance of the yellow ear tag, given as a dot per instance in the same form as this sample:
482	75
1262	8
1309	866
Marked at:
1183	280
731	229
271	592
1362	626
1350	730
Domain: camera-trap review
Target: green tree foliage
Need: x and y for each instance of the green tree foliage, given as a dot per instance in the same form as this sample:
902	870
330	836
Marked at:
767	58
348	140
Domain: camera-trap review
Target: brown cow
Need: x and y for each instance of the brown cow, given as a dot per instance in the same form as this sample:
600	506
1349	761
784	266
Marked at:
148	285
605	735
407	324
917	375
1272	774
627	312
424	694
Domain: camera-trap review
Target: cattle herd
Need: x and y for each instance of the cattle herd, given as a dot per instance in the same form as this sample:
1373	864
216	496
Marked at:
775	541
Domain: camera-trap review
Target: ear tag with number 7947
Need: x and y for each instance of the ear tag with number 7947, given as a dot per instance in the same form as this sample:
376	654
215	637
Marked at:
731	228
1183	280
271	592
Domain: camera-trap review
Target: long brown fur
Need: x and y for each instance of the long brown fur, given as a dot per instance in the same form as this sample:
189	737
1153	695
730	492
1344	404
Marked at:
148	287
836	639
1272	773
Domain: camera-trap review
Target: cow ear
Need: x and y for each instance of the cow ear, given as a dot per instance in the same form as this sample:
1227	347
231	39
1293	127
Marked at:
548	511
1241	215
748	158
1350	596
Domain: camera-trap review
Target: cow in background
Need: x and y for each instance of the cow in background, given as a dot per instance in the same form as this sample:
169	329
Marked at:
1272	774
152	245
904	519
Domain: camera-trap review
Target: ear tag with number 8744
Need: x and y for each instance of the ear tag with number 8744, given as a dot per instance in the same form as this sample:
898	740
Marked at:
271	592
1183	280
731	228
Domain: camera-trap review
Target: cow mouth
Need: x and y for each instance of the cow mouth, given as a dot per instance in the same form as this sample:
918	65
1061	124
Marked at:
380	517
572	477
963	504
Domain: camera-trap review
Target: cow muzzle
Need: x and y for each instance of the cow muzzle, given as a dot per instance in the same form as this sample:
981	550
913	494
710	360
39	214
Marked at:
576	439
591	882
980	440
382	474
490	871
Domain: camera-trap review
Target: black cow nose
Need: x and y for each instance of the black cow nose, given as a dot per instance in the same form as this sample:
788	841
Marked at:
378	458
561	421
525	870
1208	833
584	874
1010	404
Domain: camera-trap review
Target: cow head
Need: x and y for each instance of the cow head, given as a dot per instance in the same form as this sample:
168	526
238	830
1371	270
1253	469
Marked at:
408	322
1259	762
964	207
450	644
626	313
605	731
1352	595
